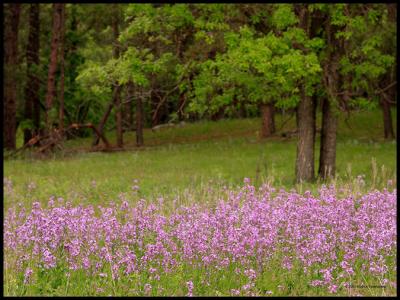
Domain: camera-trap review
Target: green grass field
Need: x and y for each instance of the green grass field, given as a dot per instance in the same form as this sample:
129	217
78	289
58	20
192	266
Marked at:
191	164
190	158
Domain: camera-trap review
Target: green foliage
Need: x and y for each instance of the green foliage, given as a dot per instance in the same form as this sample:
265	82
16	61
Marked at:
26	124
284	16
362	39
256	70
372	51
252	68
156	22
363	103
212	17
217	57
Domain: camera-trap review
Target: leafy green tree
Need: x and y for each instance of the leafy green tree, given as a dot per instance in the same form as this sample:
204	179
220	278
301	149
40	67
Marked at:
133	66
353	63
255	70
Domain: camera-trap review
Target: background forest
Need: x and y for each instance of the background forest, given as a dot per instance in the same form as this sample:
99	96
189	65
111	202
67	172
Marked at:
128	67
177	103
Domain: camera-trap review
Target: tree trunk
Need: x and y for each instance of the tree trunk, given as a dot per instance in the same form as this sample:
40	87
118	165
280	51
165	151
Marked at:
154	100
118	116
128	109
305	115
267	118
11	22
392	11
32	105
51	78
139	122
103	122
327	159
181	103
243	114
117	89
62	75
72	61
387	120
391	77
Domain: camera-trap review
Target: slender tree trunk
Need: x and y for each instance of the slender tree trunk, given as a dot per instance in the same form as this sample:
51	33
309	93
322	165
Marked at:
392	11
117	89
181	103
391	77
128	106
62	75
103	122
139	122
305	115
327	159
72	61
37	105
116	101
243	114
387	120
118	115
154	103
267	120
51	78
11	22
32	106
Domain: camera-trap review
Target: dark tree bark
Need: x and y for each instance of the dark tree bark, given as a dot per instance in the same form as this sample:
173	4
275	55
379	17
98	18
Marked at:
387	119
51	78
103	122
305	115
218	115
391	93
181	104
392	11
117	89
327	159
154	101
11	22
72	61
116	100
388	96
118	115
128	108
139	122
243	113
267	120
62	75
32	101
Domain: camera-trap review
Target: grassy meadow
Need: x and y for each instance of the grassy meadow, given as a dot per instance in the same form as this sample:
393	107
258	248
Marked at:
195	163
190	158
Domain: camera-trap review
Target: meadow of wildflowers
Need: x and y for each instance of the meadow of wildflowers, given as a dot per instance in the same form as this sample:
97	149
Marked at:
254	241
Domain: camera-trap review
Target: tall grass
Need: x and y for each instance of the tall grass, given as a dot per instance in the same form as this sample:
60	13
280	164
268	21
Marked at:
224	152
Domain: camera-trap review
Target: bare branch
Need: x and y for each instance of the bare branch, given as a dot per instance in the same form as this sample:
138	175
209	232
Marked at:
386	88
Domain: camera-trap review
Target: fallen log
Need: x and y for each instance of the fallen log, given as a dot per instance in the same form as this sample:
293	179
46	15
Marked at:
55	138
